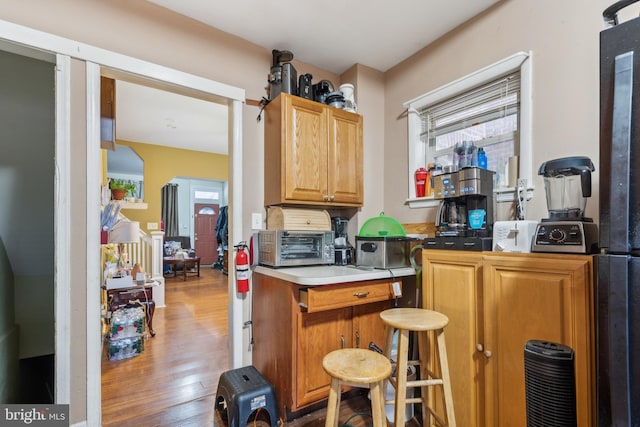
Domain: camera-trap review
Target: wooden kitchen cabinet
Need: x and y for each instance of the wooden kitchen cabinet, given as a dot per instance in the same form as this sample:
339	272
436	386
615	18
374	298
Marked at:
452	285
313	154
498	302
311	322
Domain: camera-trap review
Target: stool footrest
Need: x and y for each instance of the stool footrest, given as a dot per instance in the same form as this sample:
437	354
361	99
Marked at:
417	383
423	383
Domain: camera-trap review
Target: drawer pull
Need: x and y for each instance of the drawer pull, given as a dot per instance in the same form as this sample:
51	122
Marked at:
342	342
361	294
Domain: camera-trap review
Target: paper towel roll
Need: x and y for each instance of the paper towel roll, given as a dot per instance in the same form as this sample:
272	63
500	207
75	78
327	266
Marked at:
513	171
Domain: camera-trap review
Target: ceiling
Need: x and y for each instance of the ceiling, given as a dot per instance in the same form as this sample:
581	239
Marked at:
332	35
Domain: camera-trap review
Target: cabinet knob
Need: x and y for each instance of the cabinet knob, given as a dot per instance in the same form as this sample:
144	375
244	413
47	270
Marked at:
479	347
342	341
488	354
357	339
332	198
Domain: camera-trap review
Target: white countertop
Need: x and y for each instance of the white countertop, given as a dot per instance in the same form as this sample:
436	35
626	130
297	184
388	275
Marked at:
331	274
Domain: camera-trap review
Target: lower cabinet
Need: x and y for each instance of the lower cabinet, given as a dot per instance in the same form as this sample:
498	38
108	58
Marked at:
495	304
296	326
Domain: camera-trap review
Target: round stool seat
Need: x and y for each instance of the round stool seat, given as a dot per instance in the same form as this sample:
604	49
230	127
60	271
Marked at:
357	365
414	319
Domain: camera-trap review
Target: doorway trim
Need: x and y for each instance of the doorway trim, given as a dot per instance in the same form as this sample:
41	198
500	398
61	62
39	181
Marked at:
94	59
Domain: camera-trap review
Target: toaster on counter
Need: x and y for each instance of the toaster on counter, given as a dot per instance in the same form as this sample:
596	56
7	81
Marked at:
513	236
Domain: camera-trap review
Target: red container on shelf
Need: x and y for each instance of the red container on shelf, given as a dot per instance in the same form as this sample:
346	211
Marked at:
421	178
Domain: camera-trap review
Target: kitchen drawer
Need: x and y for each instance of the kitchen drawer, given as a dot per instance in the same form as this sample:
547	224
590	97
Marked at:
320	298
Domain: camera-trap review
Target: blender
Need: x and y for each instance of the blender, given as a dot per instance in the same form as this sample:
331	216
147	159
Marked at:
567	184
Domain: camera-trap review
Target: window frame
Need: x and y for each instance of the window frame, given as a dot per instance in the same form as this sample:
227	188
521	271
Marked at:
521	61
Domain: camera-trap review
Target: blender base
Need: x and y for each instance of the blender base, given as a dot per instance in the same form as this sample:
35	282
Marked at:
574	237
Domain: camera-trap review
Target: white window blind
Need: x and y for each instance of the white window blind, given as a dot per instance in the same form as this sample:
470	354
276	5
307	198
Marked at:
487	115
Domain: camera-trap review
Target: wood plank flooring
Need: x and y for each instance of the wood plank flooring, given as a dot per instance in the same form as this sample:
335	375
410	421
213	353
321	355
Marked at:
173	382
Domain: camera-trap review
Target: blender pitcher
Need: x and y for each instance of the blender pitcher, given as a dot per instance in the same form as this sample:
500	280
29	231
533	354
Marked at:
567	184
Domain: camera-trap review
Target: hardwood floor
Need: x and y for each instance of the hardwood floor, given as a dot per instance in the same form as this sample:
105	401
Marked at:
173	382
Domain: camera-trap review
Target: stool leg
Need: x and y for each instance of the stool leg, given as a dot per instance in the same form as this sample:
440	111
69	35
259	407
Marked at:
446	380
388	345
333	404
424	358
401	377
377	404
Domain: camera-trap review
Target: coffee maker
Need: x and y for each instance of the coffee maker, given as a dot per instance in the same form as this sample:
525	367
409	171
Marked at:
465	215
567	184
343	249
283	75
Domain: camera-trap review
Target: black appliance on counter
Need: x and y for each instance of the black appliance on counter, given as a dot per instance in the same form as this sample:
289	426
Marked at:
618	264
462	192
567	185
343	249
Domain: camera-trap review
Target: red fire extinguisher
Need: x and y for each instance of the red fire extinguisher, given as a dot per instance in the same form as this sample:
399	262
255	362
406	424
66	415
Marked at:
242	268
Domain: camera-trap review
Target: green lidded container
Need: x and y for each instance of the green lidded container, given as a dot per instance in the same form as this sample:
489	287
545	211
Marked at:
382	226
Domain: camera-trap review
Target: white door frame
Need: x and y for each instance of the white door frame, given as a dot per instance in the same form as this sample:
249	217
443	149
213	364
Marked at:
64	49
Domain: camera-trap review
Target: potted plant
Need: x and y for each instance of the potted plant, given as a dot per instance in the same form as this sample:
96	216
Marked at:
121	188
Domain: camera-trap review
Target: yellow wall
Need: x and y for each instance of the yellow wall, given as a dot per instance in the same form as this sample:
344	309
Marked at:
162	164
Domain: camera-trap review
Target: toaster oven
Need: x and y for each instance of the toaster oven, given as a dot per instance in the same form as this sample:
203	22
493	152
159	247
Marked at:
284	248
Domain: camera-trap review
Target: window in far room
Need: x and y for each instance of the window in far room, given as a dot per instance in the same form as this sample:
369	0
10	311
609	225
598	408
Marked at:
490	107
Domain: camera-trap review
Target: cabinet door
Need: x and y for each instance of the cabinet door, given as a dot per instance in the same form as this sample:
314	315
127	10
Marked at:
535	298
305	156
345	161
452	285
367	324
318	334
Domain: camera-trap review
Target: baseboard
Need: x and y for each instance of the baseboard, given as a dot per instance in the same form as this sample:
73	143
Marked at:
80	424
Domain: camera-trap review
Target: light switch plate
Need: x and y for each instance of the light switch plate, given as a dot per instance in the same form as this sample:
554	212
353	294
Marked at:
256	221
152	226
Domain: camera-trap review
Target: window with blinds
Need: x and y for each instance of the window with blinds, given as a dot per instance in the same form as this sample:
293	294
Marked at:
491	107
487	115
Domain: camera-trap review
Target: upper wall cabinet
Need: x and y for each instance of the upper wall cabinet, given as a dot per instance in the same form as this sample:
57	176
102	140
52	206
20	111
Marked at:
313	154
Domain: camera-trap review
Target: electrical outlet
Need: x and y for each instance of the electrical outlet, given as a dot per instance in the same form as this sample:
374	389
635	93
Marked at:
152	226
256	221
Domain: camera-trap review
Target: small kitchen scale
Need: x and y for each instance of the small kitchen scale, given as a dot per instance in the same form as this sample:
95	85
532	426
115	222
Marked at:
567	184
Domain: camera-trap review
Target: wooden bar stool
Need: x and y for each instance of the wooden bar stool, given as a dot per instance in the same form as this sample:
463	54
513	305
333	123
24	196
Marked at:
356	367
421	321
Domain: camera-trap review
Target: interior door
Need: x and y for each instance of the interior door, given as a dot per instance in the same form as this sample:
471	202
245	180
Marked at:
205	218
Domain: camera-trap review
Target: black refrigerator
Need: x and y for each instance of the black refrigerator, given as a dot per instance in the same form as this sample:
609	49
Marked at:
617	290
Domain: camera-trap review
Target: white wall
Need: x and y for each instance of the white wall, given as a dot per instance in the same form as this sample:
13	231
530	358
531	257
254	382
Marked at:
563	37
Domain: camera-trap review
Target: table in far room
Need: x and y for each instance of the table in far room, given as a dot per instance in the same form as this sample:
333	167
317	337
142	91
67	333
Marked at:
185	262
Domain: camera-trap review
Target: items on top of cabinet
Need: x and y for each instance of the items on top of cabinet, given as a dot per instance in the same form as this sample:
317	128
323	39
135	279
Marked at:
283	75
282	218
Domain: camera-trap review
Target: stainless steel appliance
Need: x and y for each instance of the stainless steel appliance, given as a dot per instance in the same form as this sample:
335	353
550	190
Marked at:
567	183
283	76
383	252
466	193
618	264
284	248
